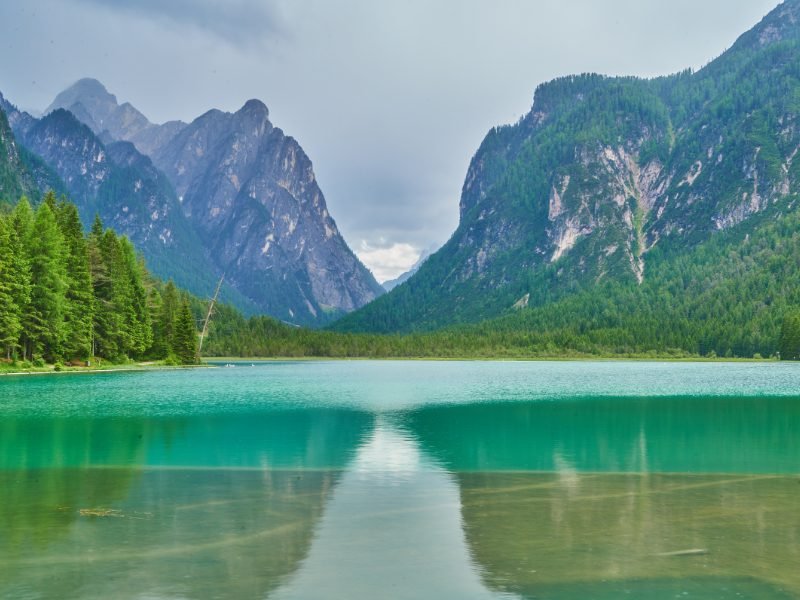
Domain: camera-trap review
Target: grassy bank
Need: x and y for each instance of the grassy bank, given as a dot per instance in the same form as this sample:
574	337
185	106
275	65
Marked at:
26	368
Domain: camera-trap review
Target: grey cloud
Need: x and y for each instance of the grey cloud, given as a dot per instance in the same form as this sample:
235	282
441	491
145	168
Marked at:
239	22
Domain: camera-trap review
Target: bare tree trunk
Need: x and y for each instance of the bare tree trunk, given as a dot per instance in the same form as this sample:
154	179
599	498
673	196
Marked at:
204	332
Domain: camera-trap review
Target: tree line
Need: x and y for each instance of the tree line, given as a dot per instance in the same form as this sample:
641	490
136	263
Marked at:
67	296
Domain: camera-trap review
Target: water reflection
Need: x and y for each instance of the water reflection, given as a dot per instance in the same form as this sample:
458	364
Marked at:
649	536
178	508
604	498
674	435
392	529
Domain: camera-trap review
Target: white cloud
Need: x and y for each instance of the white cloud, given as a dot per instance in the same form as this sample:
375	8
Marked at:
388	262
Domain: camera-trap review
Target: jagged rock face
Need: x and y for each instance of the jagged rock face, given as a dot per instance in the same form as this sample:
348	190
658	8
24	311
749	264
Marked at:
123	187
245	193
251	192
603	170
13	175
72	150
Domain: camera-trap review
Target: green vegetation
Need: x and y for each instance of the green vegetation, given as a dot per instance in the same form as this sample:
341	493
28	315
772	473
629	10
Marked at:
729	297
66	297
789	344
732	127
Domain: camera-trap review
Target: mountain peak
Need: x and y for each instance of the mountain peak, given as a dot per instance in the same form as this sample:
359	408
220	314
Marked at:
94	105
780	24
87	91
255	107
89	85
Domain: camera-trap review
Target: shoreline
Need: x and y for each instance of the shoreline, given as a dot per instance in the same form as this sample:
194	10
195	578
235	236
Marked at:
208	362
266	359
133	368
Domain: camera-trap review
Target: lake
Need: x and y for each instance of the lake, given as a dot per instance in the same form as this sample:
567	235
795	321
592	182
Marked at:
403	479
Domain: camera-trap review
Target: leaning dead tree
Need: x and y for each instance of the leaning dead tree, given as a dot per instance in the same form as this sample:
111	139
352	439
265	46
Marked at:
210	312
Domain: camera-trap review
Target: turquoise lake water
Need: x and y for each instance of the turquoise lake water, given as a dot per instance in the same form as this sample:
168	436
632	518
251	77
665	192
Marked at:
393	479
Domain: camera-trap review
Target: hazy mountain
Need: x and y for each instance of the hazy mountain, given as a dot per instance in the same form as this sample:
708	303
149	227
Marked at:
390	284
94	106
606	174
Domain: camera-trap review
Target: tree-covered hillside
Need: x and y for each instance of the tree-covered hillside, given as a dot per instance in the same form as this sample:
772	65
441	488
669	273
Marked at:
609	186
66	296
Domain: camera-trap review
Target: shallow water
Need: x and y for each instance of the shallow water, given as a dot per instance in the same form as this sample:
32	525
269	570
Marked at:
403	480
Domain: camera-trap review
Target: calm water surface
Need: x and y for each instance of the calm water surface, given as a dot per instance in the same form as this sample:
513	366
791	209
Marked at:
351	480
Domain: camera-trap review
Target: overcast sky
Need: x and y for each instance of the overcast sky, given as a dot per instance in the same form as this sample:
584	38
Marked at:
390	99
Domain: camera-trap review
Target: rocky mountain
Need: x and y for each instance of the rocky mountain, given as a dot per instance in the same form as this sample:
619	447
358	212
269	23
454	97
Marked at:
93	105
605	176
403	277
251	192
120	185
21	172
15	180
228	193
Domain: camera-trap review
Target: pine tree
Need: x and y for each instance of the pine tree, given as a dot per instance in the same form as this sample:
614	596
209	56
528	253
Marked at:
104	320
22	220
108	279
185	339
10	313
789	343
79	310
45	318
18	272
165	324
154	308
139	327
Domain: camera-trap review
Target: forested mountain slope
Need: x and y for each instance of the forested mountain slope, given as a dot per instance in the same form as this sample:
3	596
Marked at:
608	187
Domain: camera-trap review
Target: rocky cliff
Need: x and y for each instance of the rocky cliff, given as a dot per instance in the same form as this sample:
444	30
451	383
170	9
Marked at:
250	191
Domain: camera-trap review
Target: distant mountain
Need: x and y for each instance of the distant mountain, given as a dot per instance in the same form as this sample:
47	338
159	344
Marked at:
228	193
93	105
605	176
393	283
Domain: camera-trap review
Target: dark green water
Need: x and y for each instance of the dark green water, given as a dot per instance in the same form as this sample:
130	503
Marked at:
403	480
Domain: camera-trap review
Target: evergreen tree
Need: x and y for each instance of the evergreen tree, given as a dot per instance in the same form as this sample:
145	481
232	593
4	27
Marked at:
79	310
18	274
165	324
22	220
185	339
45	318
107	281
10	313
139	328
789	343
103	318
